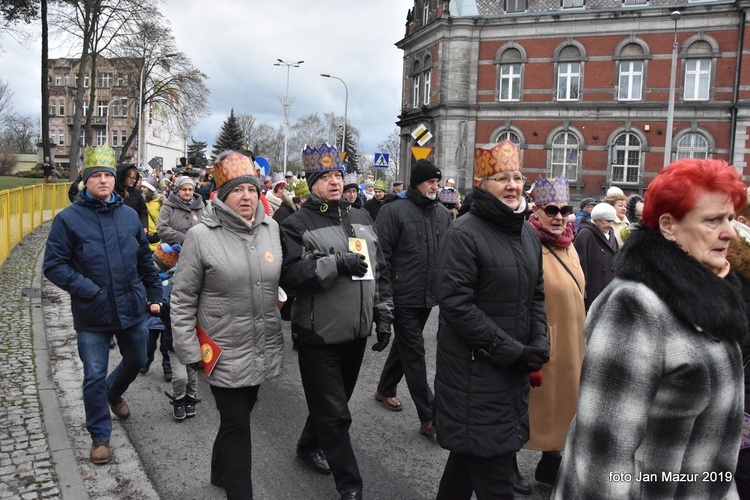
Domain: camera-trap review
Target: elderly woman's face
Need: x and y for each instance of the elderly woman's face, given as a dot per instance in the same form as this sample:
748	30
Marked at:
621	207
551	216
507	187
705	231
186	192
243	199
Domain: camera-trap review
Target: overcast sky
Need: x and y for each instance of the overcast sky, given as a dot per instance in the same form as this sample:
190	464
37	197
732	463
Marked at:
237	42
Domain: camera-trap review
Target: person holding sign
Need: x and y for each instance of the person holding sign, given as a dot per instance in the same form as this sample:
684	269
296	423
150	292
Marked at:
334	265
227	284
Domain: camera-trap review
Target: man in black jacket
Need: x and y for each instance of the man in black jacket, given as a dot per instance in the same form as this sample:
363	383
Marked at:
409	230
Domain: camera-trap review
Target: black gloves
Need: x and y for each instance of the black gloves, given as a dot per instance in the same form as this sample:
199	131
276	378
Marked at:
532	358
351	264
383	332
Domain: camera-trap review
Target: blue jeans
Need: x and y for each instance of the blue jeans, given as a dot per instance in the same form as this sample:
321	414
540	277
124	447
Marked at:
98	388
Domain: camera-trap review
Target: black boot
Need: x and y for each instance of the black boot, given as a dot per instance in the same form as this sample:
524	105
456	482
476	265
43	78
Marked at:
546	469
144	368
167	367
520	485
190	402
179	406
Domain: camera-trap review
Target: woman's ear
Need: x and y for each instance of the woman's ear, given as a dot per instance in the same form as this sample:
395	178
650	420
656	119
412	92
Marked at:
666	226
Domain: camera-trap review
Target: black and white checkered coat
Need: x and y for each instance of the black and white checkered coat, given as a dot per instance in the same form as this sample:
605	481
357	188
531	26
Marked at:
660	403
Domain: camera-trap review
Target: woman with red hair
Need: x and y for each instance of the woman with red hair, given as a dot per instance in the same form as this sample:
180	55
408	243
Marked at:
660	401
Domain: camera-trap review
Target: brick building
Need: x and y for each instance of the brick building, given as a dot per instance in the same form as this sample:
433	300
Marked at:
581	85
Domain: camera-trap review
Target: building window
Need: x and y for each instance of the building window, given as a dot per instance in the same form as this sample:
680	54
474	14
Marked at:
101	137
510	82
52	108
75	80
634	2
568	80
67	80
85	107
86	81
427	78
425	11
115	134
101	108
105	80
631	81
82	138
508	135
61	107
571	4
692	145
58	80
61	138
515	5
565	156
415	91
626	159
697	79
123	137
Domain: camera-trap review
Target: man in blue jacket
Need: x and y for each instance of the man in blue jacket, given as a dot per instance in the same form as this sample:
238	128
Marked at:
98	252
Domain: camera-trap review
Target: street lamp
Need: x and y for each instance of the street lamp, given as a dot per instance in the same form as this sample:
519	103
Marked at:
675	15
346	106
106	126
142	143
286	103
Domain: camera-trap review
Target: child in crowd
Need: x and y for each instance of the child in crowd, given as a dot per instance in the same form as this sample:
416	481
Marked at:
165	258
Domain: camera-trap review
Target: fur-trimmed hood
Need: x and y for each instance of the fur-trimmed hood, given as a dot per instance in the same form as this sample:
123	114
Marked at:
695	294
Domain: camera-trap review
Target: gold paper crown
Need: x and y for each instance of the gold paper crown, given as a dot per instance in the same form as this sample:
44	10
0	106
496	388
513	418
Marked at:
556	191
380	184
233	166
103	156
322	159
495	158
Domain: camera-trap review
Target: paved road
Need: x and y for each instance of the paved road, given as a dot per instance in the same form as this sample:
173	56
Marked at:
156	457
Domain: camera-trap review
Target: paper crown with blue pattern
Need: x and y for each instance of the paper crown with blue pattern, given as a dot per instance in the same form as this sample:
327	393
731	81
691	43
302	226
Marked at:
351	179
323	159
448	196
555	191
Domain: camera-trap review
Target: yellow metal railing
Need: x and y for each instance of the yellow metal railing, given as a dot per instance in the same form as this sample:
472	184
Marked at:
23	209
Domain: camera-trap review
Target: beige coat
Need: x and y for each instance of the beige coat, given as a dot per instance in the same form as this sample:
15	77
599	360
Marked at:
553	405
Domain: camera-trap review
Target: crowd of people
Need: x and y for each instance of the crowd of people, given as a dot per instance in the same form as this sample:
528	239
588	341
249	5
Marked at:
608	335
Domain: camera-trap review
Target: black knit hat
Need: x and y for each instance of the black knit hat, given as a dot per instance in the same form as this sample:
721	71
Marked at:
422	171
586	202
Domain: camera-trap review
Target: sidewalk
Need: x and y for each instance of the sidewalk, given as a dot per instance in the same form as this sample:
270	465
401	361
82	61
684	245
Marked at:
44	444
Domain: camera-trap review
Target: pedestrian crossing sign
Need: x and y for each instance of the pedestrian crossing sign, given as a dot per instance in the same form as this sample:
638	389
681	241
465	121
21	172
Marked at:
381	160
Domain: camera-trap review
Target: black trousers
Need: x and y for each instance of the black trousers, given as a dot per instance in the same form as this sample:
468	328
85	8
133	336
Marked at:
329	374
406	359
231	458
490	478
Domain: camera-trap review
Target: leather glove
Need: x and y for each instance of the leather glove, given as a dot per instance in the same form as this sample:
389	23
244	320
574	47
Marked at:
383	332
351	264
532	358
535	378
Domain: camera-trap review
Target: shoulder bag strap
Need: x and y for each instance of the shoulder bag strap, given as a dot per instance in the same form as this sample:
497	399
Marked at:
563	264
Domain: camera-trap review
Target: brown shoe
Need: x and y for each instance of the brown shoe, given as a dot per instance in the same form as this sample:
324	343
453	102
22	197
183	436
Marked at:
427	429
393	404
100	453
120	409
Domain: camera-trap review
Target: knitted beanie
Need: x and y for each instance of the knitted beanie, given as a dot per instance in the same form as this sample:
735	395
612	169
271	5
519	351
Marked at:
424	170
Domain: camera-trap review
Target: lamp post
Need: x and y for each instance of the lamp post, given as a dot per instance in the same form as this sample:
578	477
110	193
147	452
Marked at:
286	103
106	126
675	15
141	135
346	106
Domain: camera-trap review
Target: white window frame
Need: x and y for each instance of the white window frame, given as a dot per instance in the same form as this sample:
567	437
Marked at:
105	80
569	74
86	81
426	86
697	80
67	79
507	80
508	135
512	6
123	137
573	4
692	145
565	156
630	81
58	80
416	84
61	137
101	108
85	107
626	153
61	107
101	137
425	11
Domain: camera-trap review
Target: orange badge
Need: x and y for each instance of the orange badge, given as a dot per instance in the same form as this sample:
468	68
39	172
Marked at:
207	353
269	257
195	217
326	161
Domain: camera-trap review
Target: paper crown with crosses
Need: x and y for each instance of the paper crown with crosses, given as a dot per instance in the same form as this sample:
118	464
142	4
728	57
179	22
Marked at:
323	159
448	196
351	179
381	185
555	191
495	158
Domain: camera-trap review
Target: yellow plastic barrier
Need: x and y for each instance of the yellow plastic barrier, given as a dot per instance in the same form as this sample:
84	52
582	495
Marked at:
23	209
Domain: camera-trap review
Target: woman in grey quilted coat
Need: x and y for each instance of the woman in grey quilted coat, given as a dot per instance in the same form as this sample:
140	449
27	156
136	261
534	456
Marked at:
227	283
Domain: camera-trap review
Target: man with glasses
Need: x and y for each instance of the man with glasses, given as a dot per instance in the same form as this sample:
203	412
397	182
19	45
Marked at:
334	265
597	246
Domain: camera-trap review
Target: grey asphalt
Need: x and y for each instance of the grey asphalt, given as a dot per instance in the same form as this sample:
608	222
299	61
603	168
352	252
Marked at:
44	444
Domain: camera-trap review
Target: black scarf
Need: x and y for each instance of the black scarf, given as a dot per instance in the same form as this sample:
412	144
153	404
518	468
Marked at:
693	293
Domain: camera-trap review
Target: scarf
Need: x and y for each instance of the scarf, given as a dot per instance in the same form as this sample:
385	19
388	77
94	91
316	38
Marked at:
562	240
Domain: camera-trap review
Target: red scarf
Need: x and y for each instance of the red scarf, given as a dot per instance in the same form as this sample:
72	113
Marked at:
562	240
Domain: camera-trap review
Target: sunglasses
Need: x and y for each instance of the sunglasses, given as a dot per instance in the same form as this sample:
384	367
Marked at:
553	210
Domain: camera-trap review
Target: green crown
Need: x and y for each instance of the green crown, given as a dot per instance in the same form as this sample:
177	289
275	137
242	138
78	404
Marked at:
103	156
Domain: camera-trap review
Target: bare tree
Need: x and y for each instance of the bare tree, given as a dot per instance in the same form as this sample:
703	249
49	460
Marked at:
13	13
247	123
268	141
6	105
391	145
20	134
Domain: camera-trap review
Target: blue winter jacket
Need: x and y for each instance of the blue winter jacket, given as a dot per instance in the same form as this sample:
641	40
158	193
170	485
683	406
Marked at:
98	253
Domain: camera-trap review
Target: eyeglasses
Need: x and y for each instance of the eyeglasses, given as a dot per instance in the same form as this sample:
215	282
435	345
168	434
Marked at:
505	179
553	210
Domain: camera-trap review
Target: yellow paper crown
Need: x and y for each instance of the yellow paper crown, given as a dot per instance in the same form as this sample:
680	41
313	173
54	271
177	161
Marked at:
300	188
233	166
555	191
103	157
495	158
380	184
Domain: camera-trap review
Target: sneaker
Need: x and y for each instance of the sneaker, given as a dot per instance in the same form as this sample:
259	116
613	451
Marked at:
167	367
100	453
120	409
190	402
179	412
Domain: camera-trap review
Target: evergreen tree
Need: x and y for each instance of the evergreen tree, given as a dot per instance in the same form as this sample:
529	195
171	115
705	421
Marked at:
230	137
196	153
352	155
